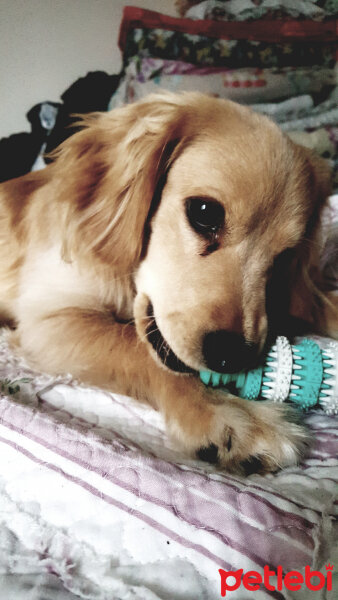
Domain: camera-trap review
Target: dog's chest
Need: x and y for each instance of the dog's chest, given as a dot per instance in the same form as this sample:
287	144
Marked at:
49	283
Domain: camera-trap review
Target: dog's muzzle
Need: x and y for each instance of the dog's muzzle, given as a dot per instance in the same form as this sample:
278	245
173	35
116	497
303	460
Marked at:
162	348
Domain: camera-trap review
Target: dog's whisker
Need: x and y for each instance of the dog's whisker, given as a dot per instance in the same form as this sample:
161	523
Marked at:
133	321
159	349
151	331
167	354
144	319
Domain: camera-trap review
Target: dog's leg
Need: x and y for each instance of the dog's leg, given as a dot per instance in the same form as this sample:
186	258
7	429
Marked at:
215	426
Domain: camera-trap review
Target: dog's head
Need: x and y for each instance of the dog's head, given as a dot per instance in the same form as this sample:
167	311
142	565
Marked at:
208	203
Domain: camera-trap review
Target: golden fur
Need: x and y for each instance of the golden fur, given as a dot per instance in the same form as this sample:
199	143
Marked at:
87	244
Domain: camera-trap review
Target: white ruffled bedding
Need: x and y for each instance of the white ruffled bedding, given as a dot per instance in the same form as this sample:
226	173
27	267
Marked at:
95	501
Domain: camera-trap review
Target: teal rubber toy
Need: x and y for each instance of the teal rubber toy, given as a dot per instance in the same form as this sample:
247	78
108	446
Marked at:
304	374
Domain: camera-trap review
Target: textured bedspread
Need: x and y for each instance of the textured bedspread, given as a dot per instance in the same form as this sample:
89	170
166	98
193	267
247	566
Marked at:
94	498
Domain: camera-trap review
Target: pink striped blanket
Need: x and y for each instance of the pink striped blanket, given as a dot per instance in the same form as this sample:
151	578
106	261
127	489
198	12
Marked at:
93	493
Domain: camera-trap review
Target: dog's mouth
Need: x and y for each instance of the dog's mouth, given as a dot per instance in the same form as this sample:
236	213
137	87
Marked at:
162	348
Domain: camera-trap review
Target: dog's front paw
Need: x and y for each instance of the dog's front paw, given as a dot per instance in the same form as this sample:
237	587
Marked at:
275	439
246	437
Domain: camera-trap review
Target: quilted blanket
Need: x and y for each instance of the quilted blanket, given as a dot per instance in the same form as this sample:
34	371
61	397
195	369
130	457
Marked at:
96	499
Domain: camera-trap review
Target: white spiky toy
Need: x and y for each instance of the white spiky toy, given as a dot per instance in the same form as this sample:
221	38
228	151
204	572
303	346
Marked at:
303	373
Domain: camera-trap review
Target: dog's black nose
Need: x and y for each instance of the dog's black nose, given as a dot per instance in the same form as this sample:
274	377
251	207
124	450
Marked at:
227	352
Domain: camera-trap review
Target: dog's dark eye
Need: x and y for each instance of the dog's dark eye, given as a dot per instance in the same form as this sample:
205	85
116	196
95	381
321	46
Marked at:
206	216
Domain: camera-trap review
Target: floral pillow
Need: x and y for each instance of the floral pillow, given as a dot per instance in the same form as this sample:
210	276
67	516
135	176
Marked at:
146	33
250	85
245	10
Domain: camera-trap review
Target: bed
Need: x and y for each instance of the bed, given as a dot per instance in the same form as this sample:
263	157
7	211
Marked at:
96	502
93	492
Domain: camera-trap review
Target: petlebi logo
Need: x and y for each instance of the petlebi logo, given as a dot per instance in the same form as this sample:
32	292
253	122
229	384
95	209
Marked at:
292	580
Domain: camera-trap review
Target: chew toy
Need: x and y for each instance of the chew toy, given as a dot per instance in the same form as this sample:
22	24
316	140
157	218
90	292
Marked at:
304	374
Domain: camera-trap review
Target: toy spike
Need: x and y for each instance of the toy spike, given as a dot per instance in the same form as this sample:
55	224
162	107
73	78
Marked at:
304	374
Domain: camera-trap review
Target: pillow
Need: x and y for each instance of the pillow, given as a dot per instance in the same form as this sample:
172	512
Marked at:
245	10
261	44
147	75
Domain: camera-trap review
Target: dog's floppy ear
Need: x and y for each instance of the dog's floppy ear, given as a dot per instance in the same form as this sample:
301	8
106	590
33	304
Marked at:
307	287
108	174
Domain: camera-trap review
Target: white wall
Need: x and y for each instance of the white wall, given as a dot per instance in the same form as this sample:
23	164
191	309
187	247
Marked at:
45	45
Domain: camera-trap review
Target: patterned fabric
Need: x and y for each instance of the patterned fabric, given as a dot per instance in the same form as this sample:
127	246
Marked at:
234	45
301	113
202	50
92	490
245	10
143	76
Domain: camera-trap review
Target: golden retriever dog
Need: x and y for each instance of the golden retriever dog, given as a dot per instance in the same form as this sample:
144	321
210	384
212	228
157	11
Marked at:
168	236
